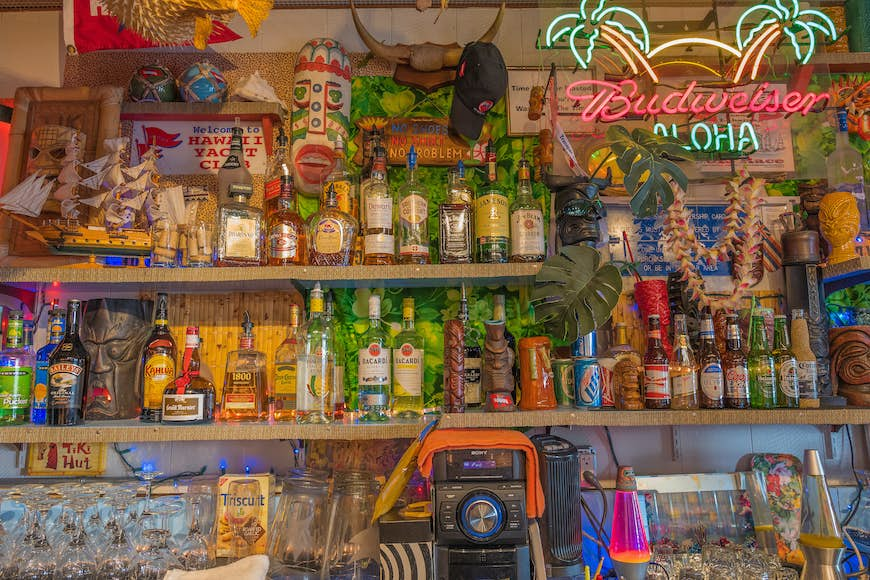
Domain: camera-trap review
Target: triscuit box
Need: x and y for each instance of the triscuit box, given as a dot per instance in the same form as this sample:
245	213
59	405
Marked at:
406	548
243	514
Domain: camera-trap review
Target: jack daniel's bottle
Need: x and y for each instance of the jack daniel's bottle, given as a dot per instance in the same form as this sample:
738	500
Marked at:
68	373
158	362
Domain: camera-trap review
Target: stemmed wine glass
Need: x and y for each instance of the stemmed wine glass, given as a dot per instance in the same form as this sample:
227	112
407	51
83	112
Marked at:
158	558
120	560
77	560
195	552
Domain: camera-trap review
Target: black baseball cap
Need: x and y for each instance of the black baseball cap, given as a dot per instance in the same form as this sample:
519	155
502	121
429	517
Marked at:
481	82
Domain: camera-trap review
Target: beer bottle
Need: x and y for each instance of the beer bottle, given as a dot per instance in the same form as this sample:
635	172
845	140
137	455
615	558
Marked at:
158	363
68	373
710	376
683	369
785	363
807	371
762	372
736	369
656	384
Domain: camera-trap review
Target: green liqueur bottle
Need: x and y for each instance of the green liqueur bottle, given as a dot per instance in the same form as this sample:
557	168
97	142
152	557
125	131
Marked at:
786	364
17	366
762	369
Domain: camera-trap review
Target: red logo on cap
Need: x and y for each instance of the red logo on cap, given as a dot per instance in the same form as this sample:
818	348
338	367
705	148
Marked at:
462	69
484	106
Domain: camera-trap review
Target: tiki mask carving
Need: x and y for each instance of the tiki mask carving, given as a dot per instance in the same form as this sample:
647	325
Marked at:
48	145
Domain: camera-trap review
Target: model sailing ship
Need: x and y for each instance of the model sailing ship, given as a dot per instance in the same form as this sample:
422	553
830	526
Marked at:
122	193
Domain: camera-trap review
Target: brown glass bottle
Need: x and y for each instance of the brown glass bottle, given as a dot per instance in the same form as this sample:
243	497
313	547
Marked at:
286	228
656	383
735	368
711	379
158	362
190	398
68	373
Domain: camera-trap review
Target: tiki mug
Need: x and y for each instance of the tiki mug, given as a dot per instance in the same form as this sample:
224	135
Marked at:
497	378
839	219
454	366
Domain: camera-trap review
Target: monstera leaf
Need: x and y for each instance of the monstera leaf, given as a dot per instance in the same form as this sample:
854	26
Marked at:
646	158
573	295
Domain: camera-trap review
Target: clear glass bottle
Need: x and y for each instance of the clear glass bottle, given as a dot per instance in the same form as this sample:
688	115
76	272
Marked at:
807	371
683	369
245	395
158	362
786	365
473	356
846	169
279	174
241	229
314	371
492	218
762	372
735	367
68	373
339	405
375	368
39	400
711	378
286	359
331	234
342	180
656	367
408	354
379	245
190	399
627	371
285	228
527	221
372	142
413	217
456	220
17	369
234	168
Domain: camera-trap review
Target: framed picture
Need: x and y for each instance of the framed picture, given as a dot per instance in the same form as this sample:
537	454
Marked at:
520	83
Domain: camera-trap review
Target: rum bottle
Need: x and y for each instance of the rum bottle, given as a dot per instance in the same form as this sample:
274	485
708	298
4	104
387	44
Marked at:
527	222
408	356
234	168
379	245
682	369
807	371
245	395
656	368
314	371
331	234
339	405
342	181
17	369
735	367
278	175
473	356
39	401
711	377
158	362
627	372
68	373
762	370
456	220
786	365
190	399
413	217
285	227
373	373
492	218
241	229
286	360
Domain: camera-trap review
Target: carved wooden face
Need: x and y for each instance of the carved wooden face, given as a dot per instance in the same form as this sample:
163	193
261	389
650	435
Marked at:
320	111
839	217
48	145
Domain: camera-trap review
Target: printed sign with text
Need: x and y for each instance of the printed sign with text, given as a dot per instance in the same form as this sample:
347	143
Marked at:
65	458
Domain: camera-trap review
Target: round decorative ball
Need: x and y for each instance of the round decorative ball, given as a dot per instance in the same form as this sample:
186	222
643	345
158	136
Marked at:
203	83
153	83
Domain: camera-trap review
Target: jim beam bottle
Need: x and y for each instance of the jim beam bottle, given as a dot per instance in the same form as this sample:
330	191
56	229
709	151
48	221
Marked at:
656	383
68	373
735	367
190	398
158	362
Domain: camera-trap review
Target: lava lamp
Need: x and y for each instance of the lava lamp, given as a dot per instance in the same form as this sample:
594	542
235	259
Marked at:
821	539
629	548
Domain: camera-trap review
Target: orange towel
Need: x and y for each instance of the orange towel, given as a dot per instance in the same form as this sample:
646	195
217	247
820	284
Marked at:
444	439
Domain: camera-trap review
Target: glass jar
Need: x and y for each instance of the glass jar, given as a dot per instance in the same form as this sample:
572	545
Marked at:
349	552
297	545
199	246
164	244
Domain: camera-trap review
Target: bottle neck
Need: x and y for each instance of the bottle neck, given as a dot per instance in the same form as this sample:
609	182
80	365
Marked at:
15	334
621	336
246	342
498	311
759	335
463	310
781	339
654	338
72	320
408	322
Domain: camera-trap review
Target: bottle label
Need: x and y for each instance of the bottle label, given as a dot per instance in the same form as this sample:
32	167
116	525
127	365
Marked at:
807	374
685	385
327	236
239	401
272	188
655	381
414	250
379	213
472	381
712	381
65	383
380	244
788	378
374	365
285	379
368	401
527	233
15	385
310	387
182	408
159	372
491	216
342	193
414	209
655	334
232	161
240	237
765	384
737	382
283	242
455	232
40	387
408	371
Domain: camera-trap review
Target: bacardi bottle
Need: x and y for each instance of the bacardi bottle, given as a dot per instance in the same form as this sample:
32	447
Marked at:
68	373
408	355
375	368
656	367
158	362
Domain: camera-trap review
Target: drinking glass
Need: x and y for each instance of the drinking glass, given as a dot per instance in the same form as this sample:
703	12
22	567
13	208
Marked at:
246	495
158	558
349	522
298	541
196	551
77	560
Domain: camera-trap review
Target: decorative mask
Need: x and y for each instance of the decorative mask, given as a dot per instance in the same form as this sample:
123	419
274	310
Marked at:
48	145
839	219
578	208
114	333
321	111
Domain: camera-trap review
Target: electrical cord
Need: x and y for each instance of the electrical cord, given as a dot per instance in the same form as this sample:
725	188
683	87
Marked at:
665	570
861	569
610	445
590	478
856	503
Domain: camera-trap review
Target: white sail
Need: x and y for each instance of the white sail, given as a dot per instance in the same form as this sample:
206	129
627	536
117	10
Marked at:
135	202
69	174
94	181
98	164
95	201
64	192
69	208
28	197
141	183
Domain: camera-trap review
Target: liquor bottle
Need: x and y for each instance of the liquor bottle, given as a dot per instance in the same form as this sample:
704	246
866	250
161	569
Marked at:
190	398
241	229
656	383
492	218
158	362
279	175
456	220
786	365
56	325
379	246
473	355
373	373
408	355
17	369
339	405
627	371
683	369
527	222
807	371
342	181
762	372
314	371
245	395
368	159
284	389
711	377
285	227
413	217
234	168
331	234
846	169
68	373
735	367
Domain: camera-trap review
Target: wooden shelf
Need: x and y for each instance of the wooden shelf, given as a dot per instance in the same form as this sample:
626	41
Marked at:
273	277
843	62
191	111
134	431
846	274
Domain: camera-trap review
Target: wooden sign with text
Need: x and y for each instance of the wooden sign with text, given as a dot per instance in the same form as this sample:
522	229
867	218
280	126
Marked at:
65	458
430	137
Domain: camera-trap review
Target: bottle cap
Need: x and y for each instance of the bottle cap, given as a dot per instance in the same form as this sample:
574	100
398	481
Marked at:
316	303
247	325
339	143
408	308
460	166
192	338
625	479
374	306
813	463
798	313
412	158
